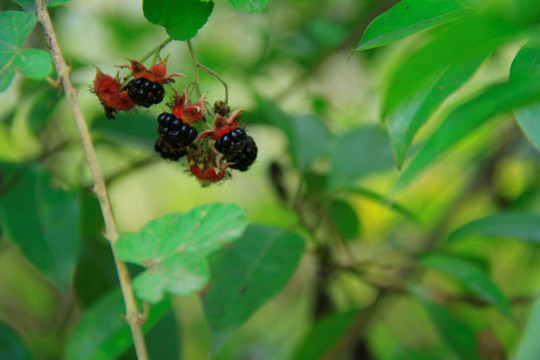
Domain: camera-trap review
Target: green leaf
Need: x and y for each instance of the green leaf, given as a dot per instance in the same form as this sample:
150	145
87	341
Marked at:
529	346
15	26
406	120
358	153
522	226
472	277
246	276
454	45
409	17
344	219
322	339
30	5
138	130
466	118
6	77
182	19
525	64
382	200
11	346
102	334
45	227
42	108
458	336
34	63
248	5
174	249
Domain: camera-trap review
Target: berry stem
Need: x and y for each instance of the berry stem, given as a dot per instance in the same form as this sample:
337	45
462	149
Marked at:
100	189
214	74
195	68
155	51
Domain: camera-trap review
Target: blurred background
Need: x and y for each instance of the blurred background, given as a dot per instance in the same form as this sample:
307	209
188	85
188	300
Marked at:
294	59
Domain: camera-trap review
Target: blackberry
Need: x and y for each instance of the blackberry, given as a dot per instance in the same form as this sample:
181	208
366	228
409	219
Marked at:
145	92
232	143
167	153
175	132
248	155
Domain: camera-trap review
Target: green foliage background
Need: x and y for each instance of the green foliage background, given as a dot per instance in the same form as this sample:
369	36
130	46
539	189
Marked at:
394	203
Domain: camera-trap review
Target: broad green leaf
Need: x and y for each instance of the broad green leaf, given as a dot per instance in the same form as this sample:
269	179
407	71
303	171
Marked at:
15	26
409	17
472	277
136	129
30	5
174	249
246	276
522	226
11	346
181	19
455	45
381	199
307	135
457	335
248	5
466	118
525	64
34	63
6	77
43	222
529	346
344	219
358	153
102	334
322	340
406	120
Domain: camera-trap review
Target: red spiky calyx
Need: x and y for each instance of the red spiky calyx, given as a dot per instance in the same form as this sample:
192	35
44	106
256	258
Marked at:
156	73
111	94
183	109
223	126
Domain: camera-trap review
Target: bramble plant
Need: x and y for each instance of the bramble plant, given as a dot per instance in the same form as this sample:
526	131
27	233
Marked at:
368	189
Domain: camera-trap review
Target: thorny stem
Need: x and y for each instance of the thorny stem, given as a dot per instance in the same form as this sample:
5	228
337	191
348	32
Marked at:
197	65
111	233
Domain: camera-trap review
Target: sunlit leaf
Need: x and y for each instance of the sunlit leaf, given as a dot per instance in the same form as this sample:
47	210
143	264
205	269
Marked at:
472	277
526	64
174	249
466	118
43	222
457	335
358	153
529	346
409	17
102	333
406	120
181	19
322	340
15	26
30	5
11	346
246	276
522	226
248	5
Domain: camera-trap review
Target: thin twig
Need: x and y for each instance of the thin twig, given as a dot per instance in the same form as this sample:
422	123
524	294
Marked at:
156	50
100	189
214	74
195	68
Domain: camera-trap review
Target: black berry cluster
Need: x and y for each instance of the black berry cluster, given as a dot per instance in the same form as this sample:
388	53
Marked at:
174	136
145	92
238	148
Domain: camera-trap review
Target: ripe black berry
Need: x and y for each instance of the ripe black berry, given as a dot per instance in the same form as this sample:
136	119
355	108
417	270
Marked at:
232	143
248	155
167	153
175	132
145	92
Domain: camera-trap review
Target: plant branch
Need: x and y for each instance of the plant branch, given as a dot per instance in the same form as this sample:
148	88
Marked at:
100	189
156	50
195	68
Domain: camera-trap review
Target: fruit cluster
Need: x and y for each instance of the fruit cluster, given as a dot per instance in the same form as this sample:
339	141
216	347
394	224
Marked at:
209	154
